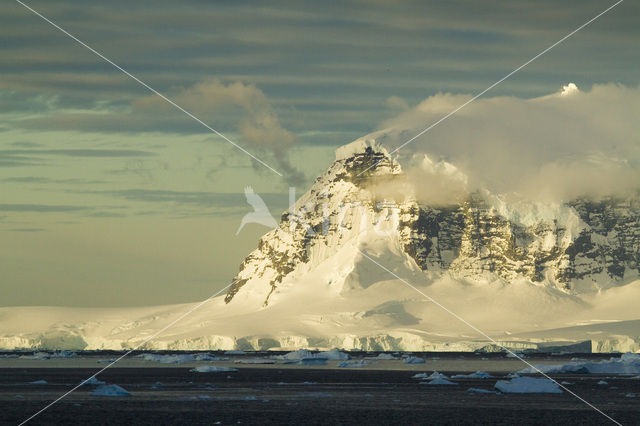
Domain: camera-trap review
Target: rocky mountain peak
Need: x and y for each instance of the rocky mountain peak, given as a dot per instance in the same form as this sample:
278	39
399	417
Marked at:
577	246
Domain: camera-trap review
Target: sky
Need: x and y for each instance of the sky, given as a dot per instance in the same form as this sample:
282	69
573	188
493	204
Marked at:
109	196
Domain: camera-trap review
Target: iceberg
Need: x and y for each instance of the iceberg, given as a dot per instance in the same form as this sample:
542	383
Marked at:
527	385
476	375
212	369
110	390
414	360
628	363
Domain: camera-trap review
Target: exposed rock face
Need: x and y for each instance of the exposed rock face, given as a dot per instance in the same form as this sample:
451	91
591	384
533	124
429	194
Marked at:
612	242
482	236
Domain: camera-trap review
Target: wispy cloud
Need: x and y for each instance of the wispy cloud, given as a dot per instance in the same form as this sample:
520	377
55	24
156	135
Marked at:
41	208
107	153
242	107
46	180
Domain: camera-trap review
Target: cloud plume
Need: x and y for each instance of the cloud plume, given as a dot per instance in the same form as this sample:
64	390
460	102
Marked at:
258	126
557	147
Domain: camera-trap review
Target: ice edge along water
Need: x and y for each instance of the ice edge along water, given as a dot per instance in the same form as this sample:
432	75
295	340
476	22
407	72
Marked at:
533	276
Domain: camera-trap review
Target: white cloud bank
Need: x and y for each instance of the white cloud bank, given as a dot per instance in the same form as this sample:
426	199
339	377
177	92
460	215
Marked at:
551	148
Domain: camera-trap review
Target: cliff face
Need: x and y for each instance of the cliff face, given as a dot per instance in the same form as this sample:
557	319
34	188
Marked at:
477	238
474	238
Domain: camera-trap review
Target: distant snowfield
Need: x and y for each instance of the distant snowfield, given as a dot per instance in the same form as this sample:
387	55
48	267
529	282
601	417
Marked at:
352	305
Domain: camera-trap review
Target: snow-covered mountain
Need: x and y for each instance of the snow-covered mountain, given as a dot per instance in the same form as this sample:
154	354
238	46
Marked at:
578	246
528	274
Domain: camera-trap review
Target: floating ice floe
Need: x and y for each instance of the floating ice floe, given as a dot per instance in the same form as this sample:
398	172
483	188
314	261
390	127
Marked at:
38	382
527	385
353	364
179	358
384	356
255	361
478	390
47	355
212	369
94	381
333	355
209	357
63	354
167	359
438	382
295	355
110	390
433	376
312	361
476	375
628	363
630	395
414	360
602	382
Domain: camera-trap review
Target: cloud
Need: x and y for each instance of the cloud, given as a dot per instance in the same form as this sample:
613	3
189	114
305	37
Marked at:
36	157
26	144
46	180
108	153
259	125
240	107
17	162
19	101
555	147
26	230
397	103
40	208
441	183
